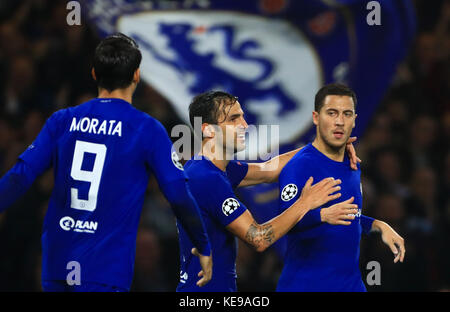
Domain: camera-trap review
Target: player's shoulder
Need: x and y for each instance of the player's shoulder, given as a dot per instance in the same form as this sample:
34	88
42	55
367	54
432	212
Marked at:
302	158
201	171
147	121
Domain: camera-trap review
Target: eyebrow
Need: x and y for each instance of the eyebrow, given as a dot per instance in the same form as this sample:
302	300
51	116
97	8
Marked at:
345	111
235	116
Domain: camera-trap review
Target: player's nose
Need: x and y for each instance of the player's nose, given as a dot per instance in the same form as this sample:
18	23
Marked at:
339	121
244	123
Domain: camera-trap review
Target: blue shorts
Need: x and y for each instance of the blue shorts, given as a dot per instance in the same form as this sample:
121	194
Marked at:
62	286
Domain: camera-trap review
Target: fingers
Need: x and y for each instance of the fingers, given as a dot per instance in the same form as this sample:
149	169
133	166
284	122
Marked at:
335	189
401	246
351	140
354	160
342	222
348	201
394	251
327	182
309	182
402	252
334	196
202	282
195	252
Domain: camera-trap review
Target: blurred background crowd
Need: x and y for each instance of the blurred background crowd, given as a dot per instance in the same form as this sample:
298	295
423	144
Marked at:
45	66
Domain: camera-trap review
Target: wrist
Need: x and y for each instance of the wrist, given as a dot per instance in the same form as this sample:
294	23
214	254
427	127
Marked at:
322	215
378	226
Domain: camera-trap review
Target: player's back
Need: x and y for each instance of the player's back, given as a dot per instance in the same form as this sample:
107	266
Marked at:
100	152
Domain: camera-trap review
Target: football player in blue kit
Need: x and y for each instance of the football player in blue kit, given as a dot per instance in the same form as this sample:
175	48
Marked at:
213	177
322	251
103	153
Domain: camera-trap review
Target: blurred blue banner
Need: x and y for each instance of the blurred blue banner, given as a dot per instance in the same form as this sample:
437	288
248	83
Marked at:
273	54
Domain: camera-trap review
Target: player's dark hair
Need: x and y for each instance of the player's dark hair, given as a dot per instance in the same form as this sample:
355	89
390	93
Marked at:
332	89
116	59
209	105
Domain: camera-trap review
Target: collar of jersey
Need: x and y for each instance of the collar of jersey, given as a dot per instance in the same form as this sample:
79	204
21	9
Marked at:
209	162
346	161
110	100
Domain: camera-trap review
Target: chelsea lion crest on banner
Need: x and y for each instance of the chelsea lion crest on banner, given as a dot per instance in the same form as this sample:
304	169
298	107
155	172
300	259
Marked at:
267	63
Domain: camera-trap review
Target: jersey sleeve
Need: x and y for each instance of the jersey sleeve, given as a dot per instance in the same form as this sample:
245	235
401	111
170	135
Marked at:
291	181
38	156
221	202
366	224
161	158
236	172
173	183
15	183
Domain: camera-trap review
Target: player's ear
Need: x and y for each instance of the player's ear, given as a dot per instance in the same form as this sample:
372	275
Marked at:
93	74
207	130
315	116
137	76
356	115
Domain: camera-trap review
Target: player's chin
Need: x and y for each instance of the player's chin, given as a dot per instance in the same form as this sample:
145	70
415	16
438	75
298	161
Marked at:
240	146
337	144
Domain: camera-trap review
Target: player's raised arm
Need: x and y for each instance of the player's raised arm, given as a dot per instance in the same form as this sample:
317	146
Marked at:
172	181
269	171
261	236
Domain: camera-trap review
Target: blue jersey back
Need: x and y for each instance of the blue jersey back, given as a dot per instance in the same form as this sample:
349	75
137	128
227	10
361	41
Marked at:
213	190
320	256
103	152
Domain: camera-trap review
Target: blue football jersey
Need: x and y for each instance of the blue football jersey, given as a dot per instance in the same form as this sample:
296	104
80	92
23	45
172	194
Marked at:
320	256
213	190
103	152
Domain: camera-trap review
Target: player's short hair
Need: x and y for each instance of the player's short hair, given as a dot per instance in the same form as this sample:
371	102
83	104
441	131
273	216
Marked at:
209	105
332	89
116	59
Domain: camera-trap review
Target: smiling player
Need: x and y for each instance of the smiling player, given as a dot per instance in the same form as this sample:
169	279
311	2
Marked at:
213	176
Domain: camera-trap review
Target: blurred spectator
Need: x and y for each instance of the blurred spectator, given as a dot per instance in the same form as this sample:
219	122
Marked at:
148	275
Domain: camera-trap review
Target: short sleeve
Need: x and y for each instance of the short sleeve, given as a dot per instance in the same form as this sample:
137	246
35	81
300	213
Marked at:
236	172
221	202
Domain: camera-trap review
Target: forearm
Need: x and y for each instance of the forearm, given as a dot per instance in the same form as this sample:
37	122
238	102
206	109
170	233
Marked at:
15	183
262	236
276	164
378	226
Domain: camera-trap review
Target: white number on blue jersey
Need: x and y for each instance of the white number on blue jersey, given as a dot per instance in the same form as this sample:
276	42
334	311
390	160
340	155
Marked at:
93	176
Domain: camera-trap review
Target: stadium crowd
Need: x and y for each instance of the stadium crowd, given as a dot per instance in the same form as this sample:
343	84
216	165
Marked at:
45	66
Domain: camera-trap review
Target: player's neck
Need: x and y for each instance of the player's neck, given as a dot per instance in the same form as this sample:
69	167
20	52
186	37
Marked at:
218	157
336	154
123	94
